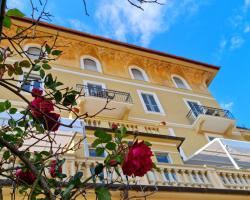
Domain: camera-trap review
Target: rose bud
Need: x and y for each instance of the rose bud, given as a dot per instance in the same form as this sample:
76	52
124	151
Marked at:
114	126
76	110
138	160
113	162
54	168
36	92
25	176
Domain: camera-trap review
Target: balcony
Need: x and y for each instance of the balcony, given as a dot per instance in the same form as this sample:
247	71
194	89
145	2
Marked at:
94	99
208	119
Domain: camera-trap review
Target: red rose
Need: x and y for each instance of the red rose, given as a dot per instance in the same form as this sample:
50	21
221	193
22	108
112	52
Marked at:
114	126
138	160
54	168
41	104
113	163
36	92
51	121
25	176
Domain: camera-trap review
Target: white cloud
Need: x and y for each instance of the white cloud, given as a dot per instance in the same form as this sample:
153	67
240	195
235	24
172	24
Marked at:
77	25
247	29
236	42
20	4
228	106
122	21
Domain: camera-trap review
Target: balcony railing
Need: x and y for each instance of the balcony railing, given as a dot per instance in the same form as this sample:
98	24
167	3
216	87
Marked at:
105	94
204	110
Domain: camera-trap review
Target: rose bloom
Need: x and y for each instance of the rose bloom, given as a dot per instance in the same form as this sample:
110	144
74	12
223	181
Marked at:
51	121
53	169
113	163
36	92
41	104
138	160
114	126
25	176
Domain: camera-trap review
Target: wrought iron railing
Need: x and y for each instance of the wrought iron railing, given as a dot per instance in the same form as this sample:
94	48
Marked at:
204	110
105	94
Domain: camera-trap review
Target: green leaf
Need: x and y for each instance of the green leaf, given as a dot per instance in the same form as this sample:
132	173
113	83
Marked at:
56	52
6	155
2	107
46	66
99	169
48	49
102	193
111	146
96	142
12	111
24	63
12	123
15	13
42	73
7	21
100	133
67	191
147	143
99	151
7	104
36	67
58	96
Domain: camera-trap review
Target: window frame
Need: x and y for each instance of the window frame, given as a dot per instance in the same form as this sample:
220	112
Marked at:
189	108
144	74
183	80
140	92
98	64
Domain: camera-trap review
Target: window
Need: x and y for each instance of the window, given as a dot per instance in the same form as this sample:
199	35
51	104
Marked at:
91	63
195	107
180	83
92	153
34	52
163	157
138	74
150	102
95	90
34	81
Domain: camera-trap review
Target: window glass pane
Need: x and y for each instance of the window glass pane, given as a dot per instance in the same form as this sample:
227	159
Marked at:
32	82
179	83
137	74
95	90
92	153
162	157
34	52
90	64
150	103
195	107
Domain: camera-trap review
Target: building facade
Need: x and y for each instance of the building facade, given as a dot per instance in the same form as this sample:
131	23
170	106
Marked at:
164	99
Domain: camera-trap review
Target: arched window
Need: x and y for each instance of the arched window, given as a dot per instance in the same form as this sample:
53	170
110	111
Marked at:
91	63
33	52
180	82
138	74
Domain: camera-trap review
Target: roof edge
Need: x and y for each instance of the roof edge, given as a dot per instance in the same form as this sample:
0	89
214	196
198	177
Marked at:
103	39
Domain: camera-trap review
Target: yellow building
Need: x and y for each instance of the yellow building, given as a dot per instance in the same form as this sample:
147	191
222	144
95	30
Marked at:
165	100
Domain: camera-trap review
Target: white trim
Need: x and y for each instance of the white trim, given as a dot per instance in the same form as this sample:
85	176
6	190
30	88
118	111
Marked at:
98	64
144	74
183	80
228	154
207	135
156	100
131	83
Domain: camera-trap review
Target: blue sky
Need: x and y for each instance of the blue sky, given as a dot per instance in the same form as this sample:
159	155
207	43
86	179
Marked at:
212	31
